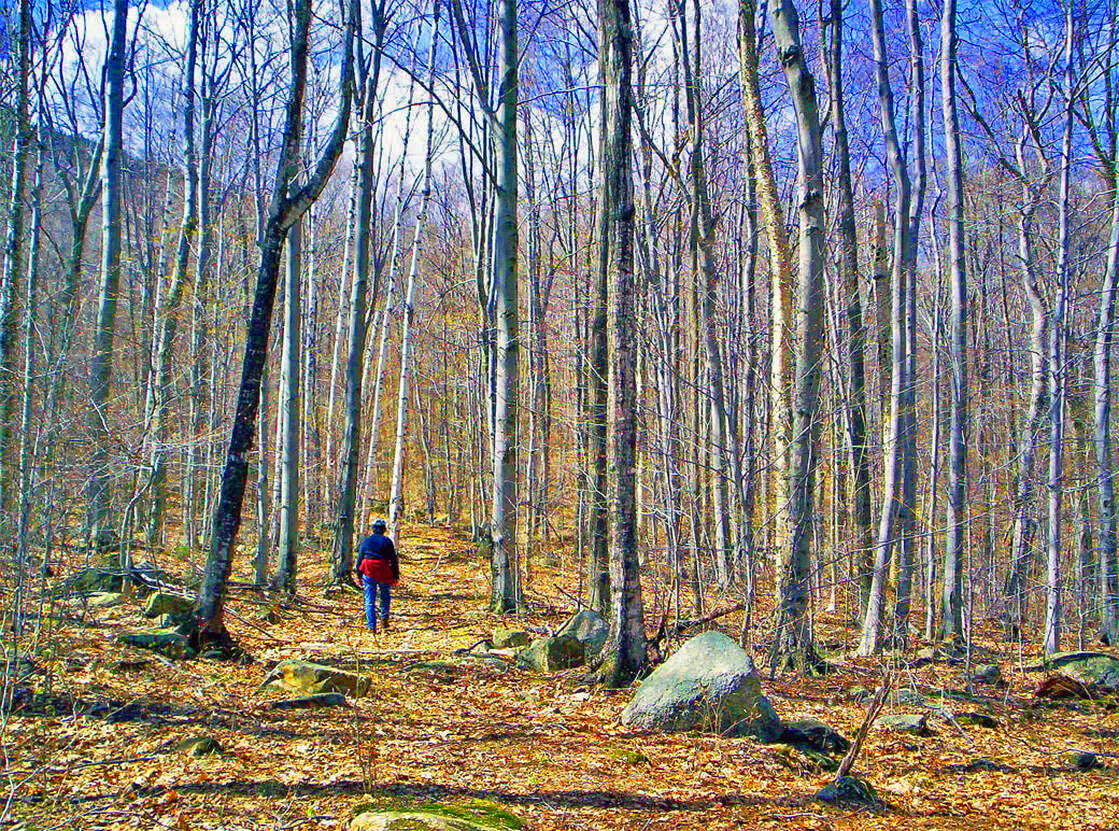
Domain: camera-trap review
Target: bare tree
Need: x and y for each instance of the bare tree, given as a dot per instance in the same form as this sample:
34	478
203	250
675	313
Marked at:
285	210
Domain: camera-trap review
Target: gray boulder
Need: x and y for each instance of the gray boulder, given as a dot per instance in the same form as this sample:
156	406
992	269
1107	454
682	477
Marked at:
105	600
1093	669
94	580
814	735
849	790
474	815
552	654
168	642
710	684
977	720
510	638
589	628
165	603
916	724
306	677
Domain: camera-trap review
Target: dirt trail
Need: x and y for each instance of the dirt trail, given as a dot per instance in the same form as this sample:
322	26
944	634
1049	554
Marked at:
438	726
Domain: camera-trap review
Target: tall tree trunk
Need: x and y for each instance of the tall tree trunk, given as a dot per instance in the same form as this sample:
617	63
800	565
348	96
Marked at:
1058	335
951	600
625	649
908	517
794	637
159	387
289	401
396	491
343	553
285	210
1108	557
13	245
721	428
505	594
101	364
384	319
781	270
855	354
28	440
892	504
1025	523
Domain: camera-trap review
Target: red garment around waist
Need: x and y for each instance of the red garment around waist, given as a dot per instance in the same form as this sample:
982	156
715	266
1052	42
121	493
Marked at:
377	569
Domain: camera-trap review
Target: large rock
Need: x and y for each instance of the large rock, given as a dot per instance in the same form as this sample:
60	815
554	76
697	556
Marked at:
917	724
305	677
167	642
165	603
710	685
551	654
510	638
475	815
589	628
1093	669
105	600
94	580
814	735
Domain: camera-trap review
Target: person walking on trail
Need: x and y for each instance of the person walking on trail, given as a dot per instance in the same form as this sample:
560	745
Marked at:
378	568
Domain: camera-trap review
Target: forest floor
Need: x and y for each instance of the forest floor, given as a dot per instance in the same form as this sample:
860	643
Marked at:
435	726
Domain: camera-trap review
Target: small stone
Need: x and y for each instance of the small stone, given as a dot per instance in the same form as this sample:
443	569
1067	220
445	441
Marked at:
93	580
307	677
1081	760
310	702
814	735
850	790
916	724
164	641
473	815
629	757
909	698
200	746
977	720
986	674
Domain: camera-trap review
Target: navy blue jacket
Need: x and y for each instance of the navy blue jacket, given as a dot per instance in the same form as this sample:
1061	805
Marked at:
378	547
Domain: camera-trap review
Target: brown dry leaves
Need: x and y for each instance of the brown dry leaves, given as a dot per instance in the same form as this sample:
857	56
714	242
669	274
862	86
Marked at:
102	757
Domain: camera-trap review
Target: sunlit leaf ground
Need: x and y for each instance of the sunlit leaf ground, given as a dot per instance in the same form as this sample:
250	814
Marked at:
100	756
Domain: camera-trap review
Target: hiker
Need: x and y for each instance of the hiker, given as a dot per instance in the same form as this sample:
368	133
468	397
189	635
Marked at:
378	569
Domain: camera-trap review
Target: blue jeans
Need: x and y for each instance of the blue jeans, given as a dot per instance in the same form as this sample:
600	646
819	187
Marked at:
371	592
